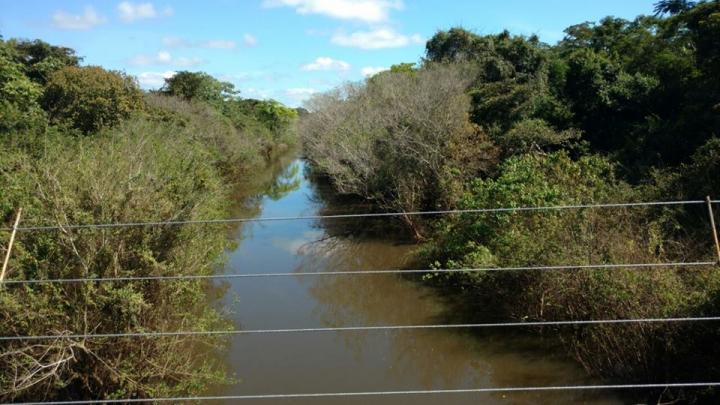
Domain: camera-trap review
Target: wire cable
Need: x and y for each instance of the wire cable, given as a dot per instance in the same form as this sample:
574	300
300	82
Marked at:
341	216
356	328
354	272
387	393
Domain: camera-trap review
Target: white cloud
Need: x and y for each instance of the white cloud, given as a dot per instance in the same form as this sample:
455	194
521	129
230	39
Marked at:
299	94
370	11
325	63
371	70
300	91
129	12
164	58
154	80
255	75
376	39
249	40
252	92
175	42
298	245
88	19
219	44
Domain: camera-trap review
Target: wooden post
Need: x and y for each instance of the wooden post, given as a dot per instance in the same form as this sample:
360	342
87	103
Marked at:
714	229
10	244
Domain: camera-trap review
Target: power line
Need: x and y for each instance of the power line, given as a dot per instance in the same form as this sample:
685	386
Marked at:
341	216
357	328
387	393
357	272
366	328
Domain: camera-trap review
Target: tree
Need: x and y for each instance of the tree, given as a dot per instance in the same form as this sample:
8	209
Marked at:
456	44
41	59
19	107
534	135
408	68
514	78
673	6
703	26
275	115
645	90
606	100
198	86
90	98
500	56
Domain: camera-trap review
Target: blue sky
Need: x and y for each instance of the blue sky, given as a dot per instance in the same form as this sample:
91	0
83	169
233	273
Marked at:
281	49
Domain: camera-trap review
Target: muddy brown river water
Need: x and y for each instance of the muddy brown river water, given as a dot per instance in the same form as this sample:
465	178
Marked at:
363	360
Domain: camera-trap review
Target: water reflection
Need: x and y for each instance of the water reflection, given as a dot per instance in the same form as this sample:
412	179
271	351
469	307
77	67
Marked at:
437	358
285	183
362	361
279	178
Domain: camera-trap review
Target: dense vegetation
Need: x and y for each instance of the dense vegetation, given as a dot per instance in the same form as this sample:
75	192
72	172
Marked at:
617	111
85	145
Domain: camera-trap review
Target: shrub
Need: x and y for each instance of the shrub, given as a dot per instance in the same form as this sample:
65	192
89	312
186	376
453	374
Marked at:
533	135
232	150
573	237
91	98
136	172
266	120
401	140
266	123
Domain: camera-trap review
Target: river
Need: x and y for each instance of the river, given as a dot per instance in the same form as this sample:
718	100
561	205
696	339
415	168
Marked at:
365	360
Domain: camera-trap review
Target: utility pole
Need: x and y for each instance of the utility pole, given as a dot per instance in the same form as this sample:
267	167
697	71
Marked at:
10	245
714	229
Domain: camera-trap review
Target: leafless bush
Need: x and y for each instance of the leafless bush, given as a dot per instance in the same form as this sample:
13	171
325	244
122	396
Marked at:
401	139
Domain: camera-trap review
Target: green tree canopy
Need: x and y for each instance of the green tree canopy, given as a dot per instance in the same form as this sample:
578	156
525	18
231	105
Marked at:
408	68
500	56
19	107
516	78
274	114
90	98
198	86
41	59
644	90
673	6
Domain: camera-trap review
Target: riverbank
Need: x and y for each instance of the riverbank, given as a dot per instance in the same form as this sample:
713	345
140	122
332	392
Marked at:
501	121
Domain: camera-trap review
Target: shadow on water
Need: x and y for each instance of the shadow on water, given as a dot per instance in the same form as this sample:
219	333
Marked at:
362	360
